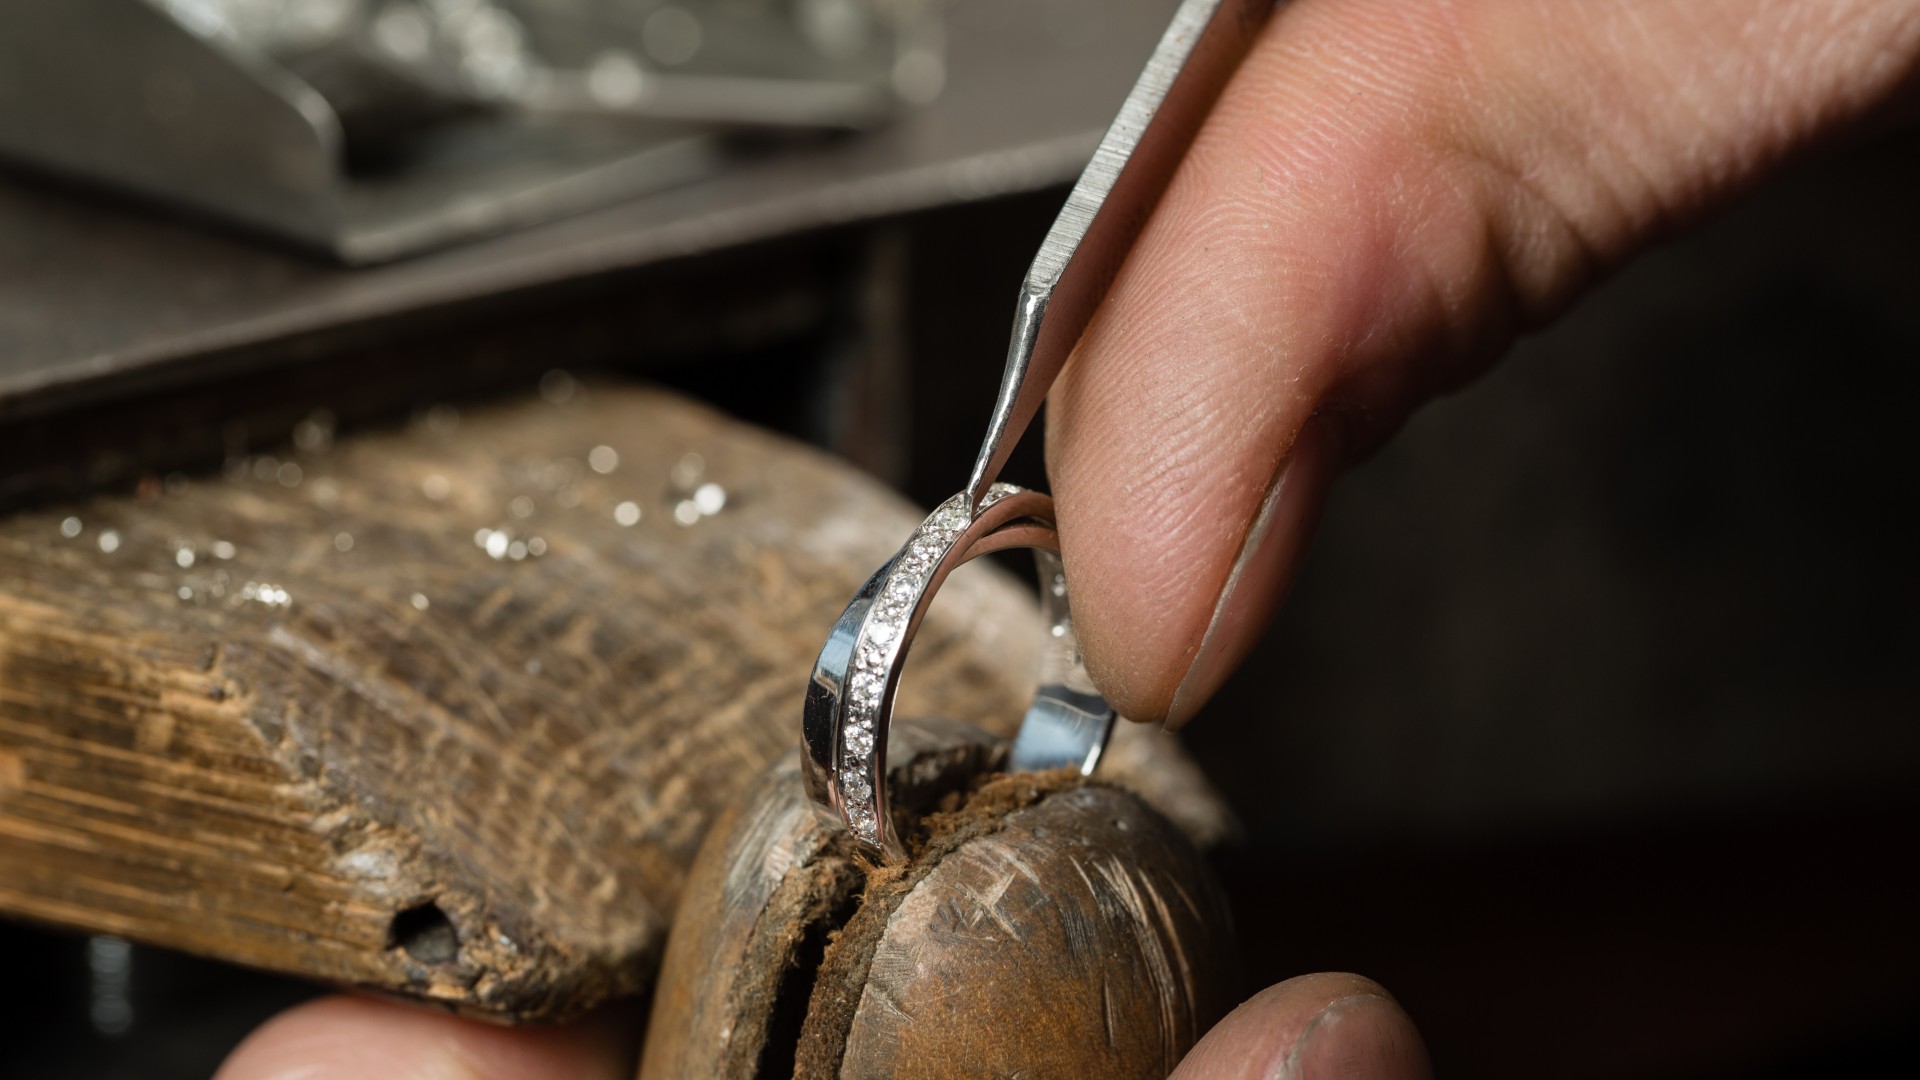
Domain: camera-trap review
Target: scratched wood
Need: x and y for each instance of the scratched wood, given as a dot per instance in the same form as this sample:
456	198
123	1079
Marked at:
300	717
1077	896
1042	927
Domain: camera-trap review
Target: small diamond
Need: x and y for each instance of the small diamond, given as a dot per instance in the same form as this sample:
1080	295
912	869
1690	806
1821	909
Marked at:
862	821
859	741
882	632
855	785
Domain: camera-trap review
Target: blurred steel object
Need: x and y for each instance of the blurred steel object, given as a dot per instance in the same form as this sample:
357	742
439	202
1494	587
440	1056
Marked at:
99	300
377	128
830	63
807	63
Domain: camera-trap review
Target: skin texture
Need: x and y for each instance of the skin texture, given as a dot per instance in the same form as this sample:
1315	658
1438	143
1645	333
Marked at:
341	1037
1313	1026
1385	194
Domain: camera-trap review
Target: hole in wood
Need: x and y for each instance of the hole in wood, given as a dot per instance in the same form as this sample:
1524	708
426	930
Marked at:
425	933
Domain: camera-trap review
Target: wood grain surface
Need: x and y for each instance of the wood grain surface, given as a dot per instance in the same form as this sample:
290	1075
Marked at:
299	716
1068	931
1044	926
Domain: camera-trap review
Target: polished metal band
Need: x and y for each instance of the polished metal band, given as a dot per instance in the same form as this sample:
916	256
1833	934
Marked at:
850	698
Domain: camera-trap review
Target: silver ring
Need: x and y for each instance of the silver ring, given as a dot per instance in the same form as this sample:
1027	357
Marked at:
849	704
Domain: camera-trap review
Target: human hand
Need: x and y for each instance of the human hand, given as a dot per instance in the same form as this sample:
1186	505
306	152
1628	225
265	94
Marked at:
1384	195
1313	1026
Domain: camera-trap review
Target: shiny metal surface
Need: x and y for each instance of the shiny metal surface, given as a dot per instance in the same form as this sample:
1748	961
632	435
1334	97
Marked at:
99	297
848	712
849	701
1109	205
373	131
120	95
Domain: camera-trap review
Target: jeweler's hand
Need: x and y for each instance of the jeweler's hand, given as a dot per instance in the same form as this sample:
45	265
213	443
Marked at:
1314	1026
1385	194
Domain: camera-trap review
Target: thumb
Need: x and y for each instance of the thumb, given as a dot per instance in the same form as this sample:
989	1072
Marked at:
1325	1026
1382	195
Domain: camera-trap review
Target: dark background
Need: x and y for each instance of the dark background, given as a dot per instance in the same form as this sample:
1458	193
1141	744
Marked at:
1590	729
1592	726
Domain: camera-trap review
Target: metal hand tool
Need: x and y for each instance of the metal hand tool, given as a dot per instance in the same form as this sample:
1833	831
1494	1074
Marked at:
849	704
1107	208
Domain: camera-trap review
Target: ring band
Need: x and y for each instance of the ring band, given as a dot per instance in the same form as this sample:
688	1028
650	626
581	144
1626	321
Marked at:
849	704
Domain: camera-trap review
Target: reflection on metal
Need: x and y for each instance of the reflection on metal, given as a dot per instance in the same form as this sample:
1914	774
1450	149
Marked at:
104	301
376	128
110	990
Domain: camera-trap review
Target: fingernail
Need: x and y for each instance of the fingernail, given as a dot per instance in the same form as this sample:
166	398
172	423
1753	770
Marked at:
1264	568
1362	1037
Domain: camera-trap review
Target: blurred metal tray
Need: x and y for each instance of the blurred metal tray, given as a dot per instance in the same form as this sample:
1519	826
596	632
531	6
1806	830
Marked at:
97	298
373	145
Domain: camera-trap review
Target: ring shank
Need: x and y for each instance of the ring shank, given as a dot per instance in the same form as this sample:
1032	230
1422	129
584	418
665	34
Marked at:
849	700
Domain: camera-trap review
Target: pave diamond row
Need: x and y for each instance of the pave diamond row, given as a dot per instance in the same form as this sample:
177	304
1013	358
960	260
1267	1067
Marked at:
878	647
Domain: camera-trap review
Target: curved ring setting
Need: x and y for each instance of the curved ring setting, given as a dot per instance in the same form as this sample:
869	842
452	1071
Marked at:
850	698
849	703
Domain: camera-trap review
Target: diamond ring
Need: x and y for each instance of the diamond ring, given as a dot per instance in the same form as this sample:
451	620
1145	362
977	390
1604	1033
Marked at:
850	697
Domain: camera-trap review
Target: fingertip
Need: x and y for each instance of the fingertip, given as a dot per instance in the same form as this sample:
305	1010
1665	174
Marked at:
1270	555
1326	1025
348	1038
1159	641
1381	196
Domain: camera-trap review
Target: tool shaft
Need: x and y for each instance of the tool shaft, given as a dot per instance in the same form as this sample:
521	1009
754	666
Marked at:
1108	207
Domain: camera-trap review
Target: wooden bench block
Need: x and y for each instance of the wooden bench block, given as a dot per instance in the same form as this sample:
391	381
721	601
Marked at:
302	717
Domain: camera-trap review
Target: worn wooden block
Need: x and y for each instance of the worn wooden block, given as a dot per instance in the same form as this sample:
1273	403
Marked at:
325	715
1044	926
